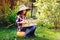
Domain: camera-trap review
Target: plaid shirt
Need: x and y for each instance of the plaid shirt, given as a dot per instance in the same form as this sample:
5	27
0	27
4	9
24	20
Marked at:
19	19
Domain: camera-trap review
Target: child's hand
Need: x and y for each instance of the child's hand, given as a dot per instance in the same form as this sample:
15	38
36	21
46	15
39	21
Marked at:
24	21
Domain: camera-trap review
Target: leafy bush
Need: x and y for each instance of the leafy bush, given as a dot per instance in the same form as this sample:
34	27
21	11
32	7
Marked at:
48	9
28	14
7	16
44	23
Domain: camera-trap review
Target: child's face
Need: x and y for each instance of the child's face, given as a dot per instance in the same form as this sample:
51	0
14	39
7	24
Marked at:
24	11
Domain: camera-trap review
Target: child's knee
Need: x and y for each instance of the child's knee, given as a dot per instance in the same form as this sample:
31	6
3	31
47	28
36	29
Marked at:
33	27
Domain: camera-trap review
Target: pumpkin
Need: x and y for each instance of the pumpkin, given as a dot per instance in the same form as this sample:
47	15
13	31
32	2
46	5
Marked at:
20	34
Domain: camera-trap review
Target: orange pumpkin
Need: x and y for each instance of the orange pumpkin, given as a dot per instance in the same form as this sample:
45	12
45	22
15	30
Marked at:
20	34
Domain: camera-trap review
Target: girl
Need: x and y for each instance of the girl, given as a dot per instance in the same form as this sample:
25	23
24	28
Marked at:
21	16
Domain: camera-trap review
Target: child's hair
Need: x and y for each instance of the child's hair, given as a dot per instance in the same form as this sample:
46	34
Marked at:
20	12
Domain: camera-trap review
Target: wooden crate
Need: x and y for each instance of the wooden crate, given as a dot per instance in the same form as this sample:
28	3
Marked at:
30	23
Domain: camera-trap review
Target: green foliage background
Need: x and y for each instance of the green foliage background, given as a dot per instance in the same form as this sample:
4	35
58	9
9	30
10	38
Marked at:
48	12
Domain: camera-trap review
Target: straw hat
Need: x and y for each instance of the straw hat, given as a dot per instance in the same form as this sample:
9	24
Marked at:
23	7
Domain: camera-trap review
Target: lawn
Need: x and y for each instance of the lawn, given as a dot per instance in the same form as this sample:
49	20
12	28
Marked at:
42	34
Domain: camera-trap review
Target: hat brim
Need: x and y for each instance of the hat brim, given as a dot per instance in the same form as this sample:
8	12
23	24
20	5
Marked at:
28	9
25	9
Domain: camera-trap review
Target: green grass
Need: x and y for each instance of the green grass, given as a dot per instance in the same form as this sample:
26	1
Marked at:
42	34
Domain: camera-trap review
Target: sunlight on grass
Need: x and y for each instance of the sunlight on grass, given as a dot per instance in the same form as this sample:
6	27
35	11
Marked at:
42	34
